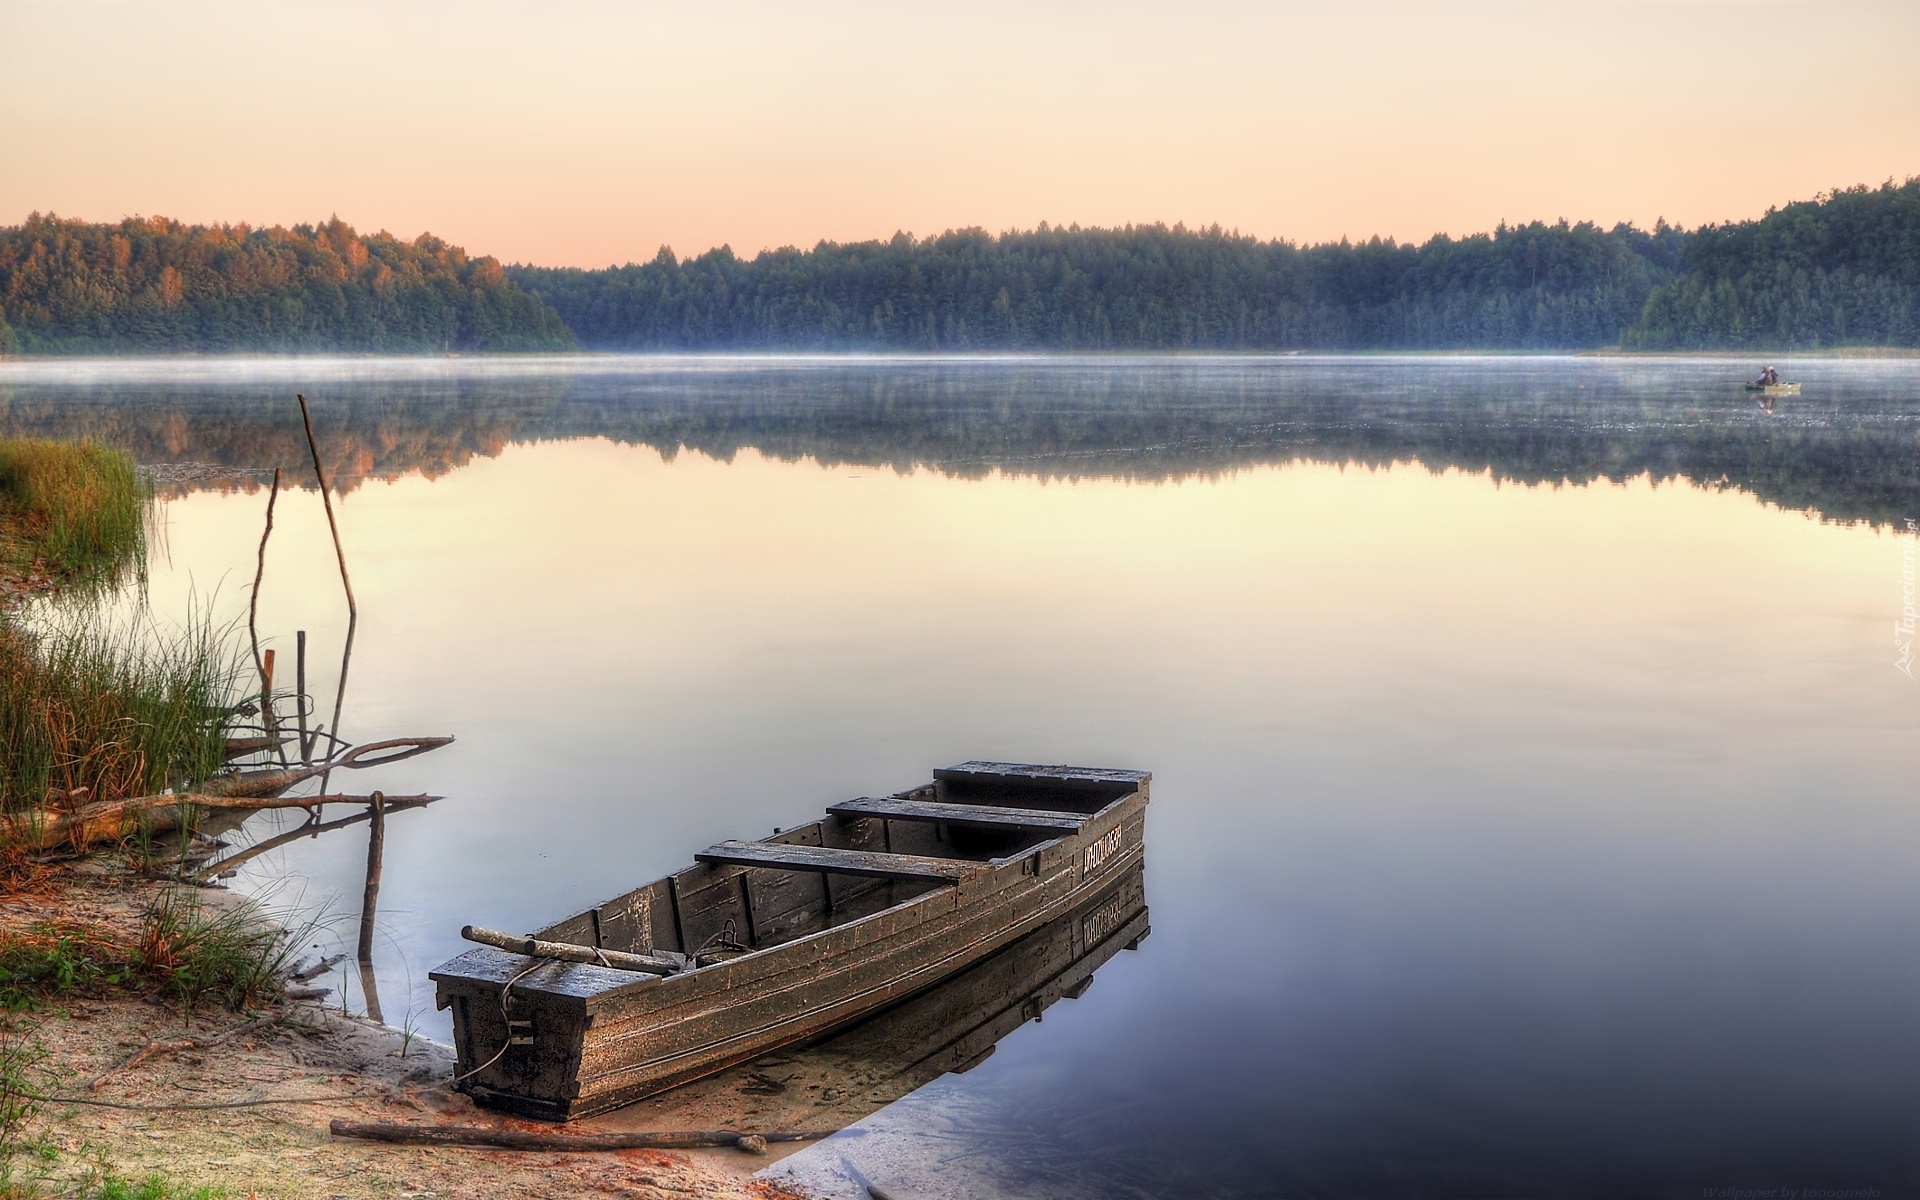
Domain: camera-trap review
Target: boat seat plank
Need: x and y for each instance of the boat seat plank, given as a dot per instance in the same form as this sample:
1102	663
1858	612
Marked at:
985	816
839	862
1029	773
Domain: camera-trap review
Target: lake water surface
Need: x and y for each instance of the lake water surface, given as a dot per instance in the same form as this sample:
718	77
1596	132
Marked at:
1534	769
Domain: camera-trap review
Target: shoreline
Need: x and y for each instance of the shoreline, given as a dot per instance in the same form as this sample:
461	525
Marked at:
133	1047
157	1038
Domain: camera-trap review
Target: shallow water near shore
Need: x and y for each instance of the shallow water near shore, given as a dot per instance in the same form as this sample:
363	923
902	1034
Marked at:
1533	805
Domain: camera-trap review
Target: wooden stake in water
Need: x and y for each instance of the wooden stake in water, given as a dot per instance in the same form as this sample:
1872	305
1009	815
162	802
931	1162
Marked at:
300	698
268	720
370	901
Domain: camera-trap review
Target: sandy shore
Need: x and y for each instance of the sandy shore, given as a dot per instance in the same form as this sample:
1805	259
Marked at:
347	1068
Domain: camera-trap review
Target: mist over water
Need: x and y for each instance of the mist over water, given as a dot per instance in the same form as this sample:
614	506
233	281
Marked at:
1533	800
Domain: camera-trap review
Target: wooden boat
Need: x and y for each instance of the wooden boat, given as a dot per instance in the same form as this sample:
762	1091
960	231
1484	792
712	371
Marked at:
1775	389
766	943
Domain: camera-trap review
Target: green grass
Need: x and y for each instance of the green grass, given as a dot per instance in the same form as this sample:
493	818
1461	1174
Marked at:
95	709
100	1181
79	508
92	709
109	1186
19	1055
232	957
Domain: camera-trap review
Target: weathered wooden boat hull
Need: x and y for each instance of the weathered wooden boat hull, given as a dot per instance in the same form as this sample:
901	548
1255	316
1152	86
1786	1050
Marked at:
826	945
846	1076
1775	389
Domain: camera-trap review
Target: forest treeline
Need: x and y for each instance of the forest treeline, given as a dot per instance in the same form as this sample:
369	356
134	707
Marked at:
1843	269
155	285
1840	270
1150	287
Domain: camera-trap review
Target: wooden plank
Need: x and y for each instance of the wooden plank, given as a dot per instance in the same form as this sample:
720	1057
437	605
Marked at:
1029	773
853	833
983	816
917	837
785	903
1021	785
708	901
844	862
626	924
577	929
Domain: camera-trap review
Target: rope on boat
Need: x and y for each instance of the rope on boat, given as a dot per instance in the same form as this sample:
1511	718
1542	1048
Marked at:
506	1042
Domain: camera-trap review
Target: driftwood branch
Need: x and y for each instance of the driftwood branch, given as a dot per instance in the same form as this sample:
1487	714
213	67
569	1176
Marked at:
156	1049
259	574
326	498
109	820
303	974
513	1139
150	1050
214	870
266	783
240	747
339	552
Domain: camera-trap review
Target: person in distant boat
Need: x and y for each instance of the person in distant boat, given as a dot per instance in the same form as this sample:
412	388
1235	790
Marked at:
1768	378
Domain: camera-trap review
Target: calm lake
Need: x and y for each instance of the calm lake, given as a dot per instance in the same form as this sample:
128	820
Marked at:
1534	766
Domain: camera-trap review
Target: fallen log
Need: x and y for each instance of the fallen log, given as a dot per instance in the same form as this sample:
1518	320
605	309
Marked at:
514	1139
111	820
241	747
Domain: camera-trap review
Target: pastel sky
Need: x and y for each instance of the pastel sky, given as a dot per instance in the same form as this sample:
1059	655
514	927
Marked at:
594	131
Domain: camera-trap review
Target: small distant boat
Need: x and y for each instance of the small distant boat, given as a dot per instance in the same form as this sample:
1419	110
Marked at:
1775	389
763	944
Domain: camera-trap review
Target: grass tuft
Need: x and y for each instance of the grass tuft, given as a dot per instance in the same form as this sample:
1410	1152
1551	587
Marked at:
92	711
234	957
80	508
100	1182
63	958
110	1186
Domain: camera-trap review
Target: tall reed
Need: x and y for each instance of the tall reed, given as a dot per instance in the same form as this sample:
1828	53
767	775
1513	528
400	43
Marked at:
98	708
80	507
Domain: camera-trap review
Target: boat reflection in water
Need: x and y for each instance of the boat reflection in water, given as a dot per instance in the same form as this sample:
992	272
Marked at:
952	1027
